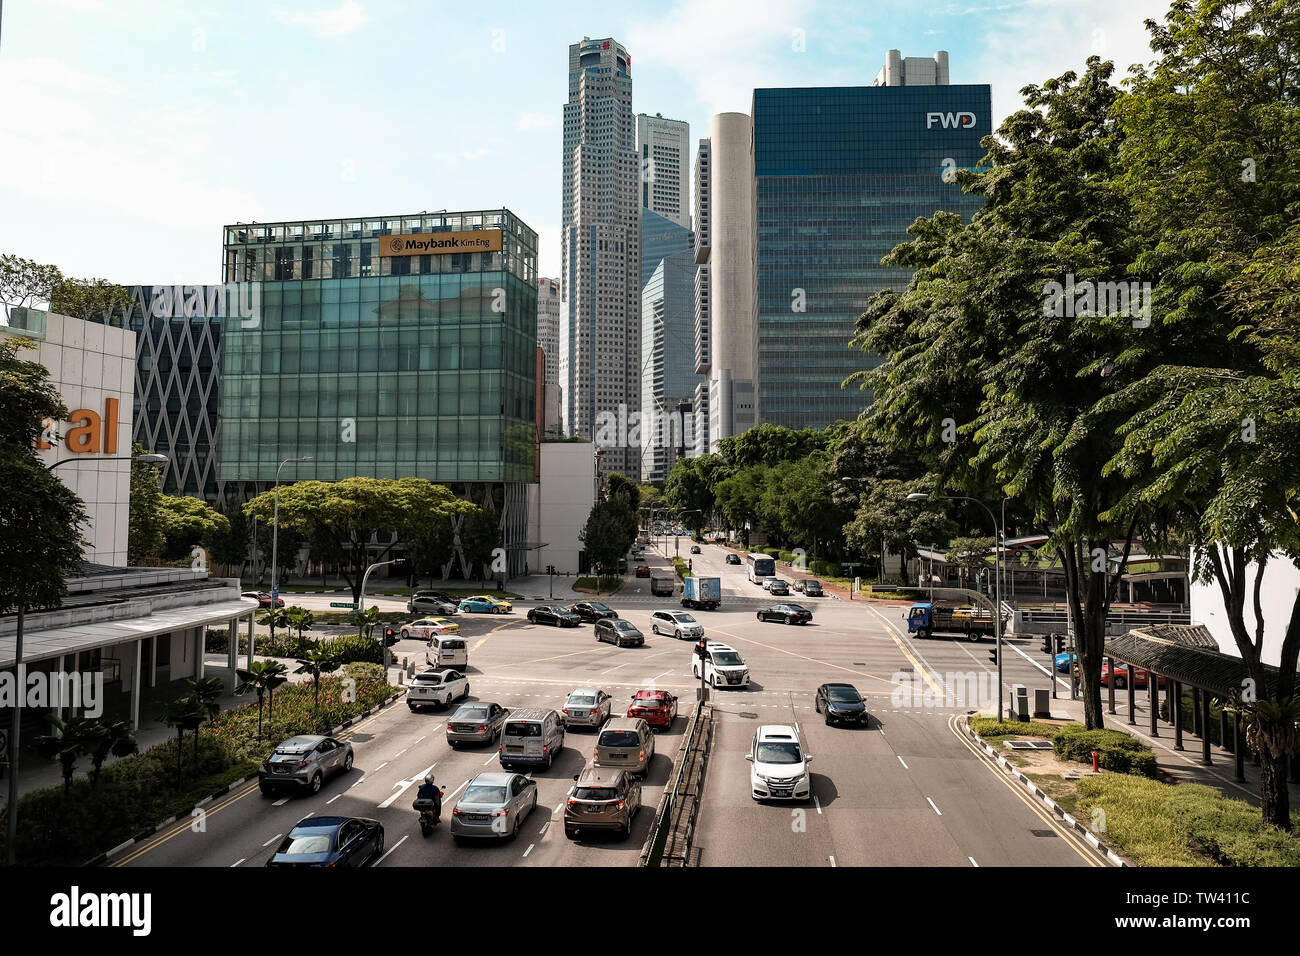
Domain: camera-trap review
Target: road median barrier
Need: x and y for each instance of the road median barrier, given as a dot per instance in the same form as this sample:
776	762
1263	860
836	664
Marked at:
669	842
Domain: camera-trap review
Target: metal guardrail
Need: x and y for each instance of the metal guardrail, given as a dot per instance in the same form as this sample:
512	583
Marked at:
664	824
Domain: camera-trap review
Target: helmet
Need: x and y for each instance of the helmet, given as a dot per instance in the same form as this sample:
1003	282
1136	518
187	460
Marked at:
428	778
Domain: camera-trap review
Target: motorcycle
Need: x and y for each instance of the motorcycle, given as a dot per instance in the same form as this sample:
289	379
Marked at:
428	810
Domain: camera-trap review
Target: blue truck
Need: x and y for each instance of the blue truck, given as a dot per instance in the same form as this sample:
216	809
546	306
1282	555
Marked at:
924	619
703	593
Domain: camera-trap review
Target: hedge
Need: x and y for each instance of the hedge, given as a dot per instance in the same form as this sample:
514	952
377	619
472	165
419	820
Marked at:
349	648
1116	750
138	792
679	565
282	645
1188	824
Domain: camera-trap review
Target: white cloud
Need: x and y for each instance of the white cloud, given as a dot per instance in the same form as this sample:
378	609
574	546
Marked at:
327	23
532	122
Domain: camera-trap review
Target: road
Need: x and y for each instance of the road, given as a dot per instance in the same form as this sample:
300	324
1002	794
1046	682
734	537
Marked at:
908	790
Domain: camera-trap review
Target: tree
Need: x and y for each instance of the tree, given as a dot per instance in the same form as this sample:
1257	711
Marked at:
186	713
991	377
969	555
617	483
609	532
885	516
187	522
300	619
145	534
690	488
1213	433
230	548
206	694
67	742
261	678
650	496
89	299
340	517
365	621
740	497
274	617
319	660
480	536
25	283
108	737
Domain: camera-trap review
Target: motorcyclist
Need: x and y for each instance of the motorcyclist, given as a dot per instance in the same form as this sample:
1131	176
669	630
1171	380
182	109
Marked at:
431	791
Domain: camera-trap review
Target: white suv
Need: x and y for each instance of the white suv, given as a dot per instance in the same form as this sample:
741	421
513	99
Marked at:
677	623
723	666
778	767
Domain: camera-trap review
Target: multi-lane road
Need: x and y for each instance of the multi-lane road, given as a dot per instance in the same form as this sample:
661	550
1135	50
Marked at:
908	790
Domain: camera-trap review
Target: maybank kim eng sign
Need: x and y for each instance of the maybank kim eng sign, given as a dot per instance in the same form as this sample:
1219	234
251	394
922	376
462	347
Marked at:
439	243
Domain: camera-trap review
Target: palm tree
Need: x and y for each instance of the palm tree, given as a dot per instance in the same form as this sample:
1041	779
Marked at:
318	661
279	674
109	737
365	620
183	713
67	741
274	616
257	678
300	619
206	692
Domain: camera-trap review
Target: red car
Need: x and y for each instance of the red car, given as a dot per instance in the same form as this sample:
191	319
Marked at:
643	570
658	708
263	598
1140	676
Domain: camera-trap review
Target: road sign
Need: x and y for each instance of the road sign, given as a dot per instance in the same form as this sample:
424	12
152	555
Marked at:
346	604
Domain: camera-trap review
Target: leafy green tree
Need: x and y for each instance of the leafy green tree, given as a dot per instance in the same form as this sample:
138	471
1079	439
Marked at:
970	556
884	515
206	694
609	532
187	522
67	742
186	713
273	617
480	536
740	497
319	660
617	483
145	535
1213	432
89	299
365	621
261	678
25	283
107	738
230	548
300	619
690	488
649	496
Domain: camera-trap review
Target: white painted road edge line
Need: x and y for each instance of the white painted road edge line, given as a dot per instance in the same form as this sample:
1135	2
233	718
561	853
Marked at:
530	849
903	762
333	798
832	859
489	760
972	861
391	849
818	804
237	862
273	839
933	807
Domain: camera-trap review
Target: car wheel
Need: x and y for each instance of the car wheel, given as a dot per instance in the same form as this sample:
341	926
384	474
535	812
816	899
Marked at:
654	628
760	615
571	833
626	832
379	848
922	632
412	707
514	832
532	619
347	762
1120	683
789	620
405	634
315	783
266	790
973	636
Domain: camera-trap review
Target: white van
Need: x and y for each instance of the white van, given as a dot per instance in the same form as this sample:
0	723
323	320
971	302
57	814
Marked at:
447	650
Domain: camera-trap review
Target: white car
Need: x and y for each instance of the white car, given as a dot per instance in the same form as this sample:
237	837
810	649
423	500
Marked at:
677	623
427	627
778	766
434	688
723	666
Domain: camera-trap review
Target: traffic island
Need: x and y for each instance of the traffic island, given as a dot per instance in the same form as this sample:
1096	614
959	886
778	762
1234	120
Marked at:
669	842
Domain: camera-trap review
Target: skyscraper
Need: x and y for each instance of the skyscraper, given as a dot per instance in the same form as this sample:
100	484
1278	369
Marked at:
600	356
703	360
668	375
548	326
664	148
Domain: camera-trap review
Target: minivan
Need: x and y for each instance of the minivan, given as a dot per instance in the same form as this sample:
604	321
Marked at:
447	650
625	743
531	736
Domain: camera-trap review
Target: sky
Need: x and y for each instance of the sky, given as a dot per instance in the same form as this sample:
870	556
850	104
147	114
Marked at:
131	131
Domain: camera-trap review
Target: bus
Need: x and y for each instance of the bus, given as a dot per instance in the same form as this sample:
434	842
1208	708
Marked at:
759	566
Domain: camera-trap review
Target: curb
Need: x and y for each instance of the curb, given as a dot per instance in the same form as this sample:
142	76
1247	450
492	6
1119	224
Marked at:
147	834
1033	788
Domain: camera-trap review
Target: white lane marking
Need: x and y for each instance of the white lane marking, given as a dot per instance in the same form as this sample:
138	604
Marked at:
559	807
381	766
832	861
933	807
489	760
456	791
418	739
657	676
545	826
273	839
391	849
972	861
904	763
400	752
616	667
332	799
358	783
818	804
1055	676
281	802
401	786
237	862
530	849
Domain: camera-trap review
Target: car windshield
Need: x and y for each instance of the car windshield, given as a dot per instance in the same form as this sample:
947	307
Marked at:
309	841
582	700
778	751
681	618
471	713
597	607
619	738
525	729
726	658
846	694
624	626
595	793
481	794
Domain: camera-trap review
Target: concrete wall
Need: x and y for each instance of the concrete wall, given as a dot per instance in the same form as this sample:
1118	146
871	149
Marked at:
559	504
1277	594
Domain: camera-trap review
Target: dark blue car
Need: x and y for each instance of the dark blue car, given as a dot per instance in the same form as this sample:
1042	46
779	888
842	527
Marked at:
331	841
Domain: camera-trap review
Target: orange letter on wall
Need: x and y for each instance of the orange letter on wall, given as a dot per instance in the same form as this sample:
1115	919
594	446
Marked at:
110	427
83	438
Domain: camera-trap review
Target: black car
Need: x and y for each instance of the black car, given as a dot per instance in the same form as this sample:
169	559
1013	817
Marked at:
619	633
695	549
810	588
786	613
842	704
331	841
733	559
554	614
591	611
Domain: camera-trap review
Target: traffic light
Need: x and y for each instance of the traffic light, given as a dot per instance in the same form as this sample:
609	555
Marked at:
390	636
993	655
701	649
550	569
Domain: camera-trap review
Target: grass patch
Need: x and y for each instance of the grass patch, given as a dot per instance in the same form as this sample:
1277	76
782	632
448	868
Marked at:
608	585
1187	824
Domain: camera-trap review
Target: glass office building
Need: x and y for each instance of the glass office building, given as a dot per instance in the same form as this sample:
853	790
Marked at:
389	347
840	173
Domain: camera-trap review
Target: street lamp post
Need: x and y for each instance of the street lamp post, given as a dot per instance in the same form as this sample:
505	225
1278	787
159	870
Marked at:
15	723
275	534
997	574
361	608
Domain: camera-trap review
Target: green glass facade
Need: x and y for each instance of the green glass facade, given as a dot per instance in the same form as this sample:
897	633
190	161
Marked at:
387	367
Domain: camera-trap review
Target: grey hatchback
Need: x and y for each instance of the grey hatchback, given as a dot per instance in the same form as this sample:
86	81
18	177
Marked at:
477	722
603	798
493	806
303	763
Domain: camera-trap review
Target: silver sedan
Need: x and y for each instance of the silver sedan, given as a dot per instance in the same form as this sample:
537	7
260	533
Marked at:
493	807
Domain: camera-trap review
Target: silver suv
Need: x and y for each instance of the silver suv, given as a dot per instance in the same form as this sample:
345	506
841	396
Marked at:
303	763
678	624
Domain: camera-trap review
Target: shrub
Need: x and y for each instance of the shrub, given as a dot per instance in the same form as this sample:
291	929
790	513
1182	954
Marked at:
363	670
350	647
992	727
1117	751
825	569
679	565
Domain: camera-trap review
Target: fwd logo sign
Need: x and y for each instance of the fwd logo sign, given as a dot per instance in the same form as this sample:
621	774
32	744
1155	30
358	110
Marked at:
950	120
